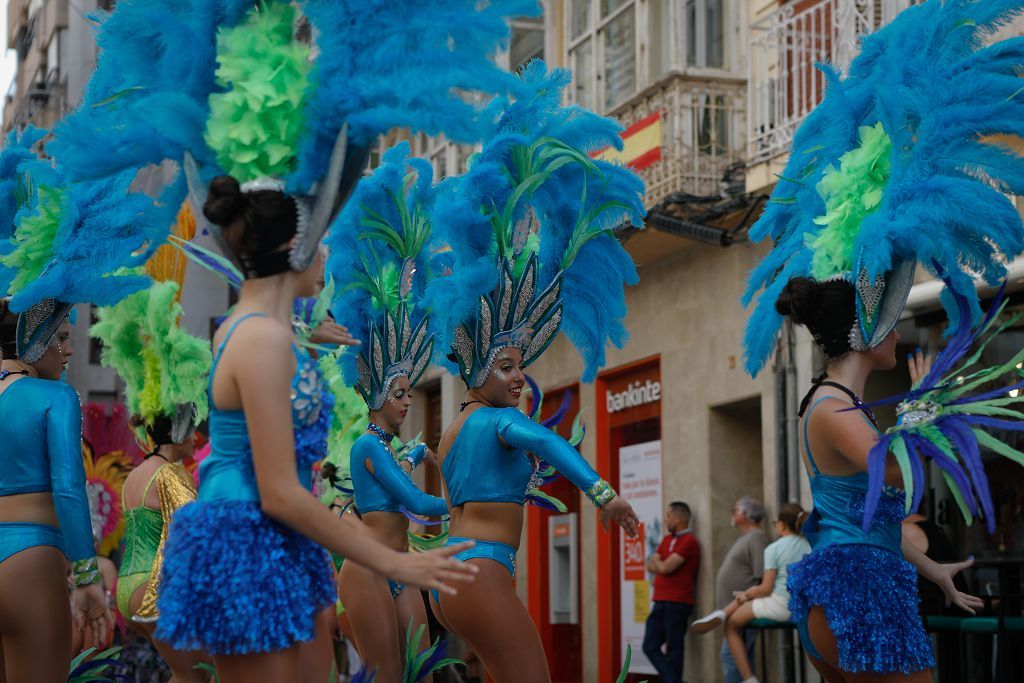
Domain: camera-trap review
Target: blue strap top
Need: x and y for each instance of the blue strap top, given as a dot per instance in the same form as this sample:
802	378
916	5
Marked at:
479	468
839	507
228	472
388	488
41	450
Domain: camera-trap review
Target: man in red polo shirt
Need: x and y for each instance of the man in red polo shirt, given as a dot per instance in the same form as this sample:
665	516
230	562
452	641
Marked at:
675	572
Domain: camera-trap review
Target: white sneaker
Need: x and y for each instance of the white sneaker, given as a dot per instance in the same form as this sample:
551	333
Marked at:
752	679
705	624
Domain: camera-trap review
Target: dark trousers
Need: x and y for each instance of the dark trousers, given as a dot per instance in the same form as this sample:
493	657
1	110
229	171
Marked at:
667	624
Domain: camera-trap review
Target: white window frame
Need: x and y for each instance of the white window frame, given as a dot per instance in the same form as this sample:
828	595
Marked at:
676	10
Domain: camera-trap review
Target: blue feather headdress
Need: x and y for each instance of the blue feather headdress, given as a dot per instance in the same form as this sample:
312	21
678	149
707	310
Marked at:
378	265
898	166
286	95
529	236
64	242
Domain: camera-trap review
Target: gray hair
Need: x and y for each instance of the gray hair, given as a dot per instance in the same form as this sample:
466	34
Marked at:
752	508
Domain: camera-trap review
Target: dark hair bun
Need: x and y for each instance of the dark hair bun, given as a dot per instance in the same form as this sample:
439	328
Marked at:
225	202
799	299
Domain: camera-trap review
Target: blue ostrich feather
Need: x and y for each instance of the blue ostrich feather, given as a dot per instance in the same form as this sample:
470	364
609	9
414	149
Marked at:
383	66
940	97
371	275
536	167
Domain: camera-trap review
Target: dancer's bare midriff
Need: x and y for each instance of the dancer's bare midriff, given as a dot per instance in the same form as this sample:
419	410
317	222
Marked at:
33	508
502	522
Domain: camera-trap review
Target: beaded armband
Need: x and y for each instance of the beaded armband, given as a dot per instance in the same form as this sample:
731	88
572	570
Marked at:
85	571
600	493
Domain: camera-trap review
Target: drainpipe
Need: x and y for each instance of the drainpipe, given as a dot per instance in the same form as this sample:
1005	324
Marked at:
786	454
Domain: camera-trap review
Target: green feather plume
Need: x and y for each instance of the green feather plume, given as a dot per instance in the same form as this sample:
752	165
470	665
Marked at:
161	365
851	194
35	238
254	127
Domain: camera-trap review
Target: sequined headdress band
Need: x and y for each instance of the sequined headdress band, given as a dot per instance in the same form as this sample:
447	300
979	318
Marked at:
37	326
510	317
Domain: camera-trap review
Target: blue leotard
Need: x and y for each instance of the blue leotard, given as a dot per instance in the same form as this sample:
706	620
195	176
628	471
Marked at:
234	580
860	579
489	461
41	451
388	488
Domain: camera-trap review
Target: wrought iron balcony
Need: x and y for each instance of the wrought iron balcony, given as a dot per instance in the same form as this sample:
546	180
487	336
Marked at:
784	82
697	135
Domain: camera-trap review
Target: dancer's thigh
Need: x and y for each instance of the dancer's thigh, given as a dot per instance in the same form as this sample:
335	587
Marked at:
183	664
35	616
825	643
318	654
280	666
489	616
409	607
371	611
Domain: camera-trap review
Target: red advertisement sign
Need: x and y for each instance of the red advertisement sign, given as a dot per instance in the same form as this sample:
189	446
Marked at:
634	557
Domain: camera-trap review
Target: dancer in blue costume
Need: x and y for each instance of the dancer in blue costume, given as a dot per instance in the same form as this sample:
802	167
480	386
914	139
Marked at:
531	251
891	171
44	511
379	263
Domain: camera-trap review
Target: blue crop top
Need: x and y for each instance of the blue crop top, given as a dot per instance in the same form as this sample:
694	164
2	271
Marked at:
479	468
389	488
41	450
228	472
839	507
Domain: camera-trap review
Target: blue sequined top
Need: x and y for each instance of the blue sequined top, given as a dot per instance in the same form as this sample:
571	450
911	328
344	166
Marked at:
388	488
839	508
228	473
479	467
41	451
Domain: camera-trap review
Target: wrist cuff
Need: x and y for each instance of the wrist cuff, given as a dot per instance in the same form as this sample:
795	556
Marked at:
85	571
600	493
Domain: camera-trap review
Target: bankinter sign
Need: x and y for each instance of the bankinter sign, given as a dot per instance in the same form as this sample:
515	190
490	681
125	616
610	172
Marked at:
636	394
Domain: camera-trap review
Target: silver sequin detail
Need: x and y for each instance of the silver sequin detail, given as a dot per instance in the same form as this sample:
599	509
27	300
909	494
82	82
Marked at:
485	328
915	413
464	349
306	393
506	296
541	339
547	300
390	337
526	289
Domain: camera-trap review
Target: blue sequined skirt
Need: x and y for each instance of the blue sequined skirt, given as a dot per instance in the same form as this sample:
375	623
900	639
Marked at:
869	596
235	581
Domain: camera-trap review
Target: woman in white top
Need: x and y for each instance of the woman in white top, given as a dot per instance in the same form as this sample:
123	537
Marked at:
769	599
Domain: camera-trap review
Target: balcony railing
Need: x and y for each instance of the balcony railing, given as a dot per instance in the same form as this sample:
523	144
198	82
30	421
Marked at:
702	122
784	83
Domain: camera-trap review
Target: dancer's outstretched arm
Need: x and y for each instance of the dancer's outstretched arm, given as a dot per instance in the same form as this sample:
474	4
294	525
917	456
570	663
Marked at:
519	431
388	472
942	576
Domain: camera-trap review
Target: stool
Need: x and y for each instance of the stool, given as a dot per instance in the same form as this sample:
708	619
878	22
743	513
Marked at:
765	625
995	627
949	646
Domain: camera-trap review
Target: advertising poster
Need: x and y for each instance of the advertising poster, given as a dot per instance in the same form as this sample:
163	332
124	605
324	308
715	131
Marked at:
640	484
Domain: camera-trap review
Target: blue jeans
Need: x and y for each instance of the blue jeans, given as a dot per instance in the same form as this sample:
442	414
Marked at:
732	674
666	625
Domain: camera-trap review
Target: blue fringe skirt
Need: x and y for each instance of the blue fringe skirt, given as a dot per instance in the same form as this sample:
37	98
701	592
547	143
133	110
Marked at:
234	581
869	596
